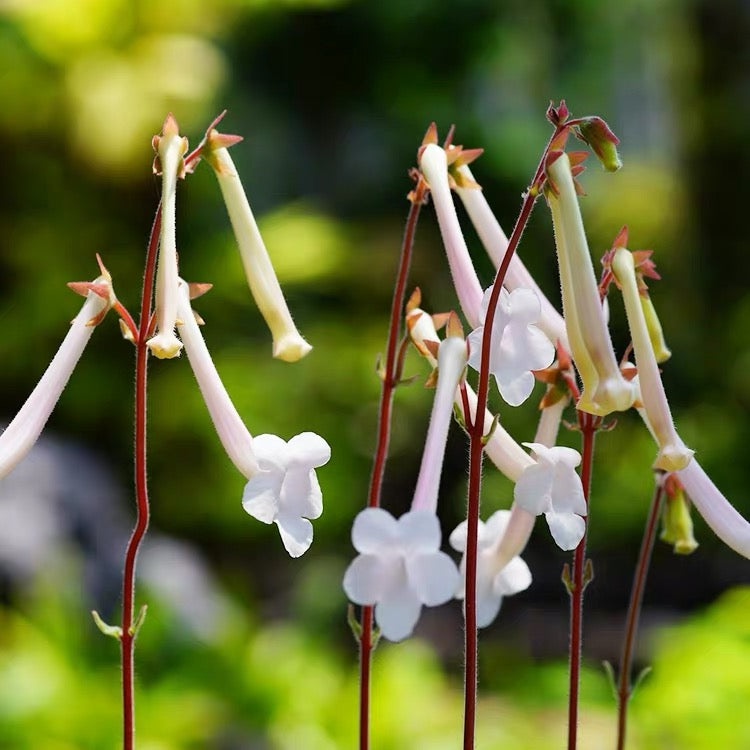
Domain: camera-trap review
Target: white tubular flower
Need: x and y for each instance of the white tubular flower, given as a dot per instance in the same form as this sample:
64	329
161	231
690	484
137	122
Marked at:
170	148
553	487
24	430
286	490
288	344
604	388
434	166
673	453
451	366
234	436
497	576
549	422
518	346
717	511
496	243
399	569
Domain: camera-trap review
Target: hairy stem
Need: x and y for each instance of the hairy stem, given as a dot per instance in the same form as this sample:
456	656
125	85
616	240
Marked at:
390	376
624	688
577	585
141	491
476	433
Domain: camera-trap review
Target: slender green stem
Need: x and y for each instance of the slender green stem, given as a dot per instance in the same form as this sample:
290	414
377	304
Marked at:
390	376
624	687
588	426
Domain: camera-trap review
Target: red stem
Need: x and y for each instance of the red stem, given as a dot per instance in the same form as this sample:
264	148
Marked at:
624	688
381	449
588	425
141	490
476	432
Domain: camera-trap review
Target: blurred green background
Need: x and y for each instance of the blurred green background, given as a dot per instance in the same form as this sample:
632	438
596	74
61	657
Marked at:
243	647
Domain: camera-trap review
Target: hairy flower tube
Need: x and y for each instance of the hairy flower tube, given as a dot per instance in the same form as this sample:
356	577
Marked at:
717	511
24	430
170	148
673	453
518	345
288	344
495	243
451	359
399	569
282	486
604	388
496	576
434	166
234	436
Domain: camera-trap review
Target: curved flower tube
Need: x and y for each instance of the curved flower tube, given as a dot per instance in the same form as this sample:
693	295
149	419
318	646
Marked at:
288	344
452	358
717	511
434	165
24	430
234	436
673	453
604	388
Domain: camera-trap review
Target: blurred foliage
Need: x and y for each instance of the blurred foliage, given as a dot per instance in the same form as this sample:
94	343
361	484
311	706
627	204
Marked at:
333	98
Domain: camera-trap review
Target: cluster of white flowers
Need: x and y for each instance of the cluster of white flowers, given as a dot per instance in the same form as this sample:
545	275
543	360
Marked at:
400	566
282	486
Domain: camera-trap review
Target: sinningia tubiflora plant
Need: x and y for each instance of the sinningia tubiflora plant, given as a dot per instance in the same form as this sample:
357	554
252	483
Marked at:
282	486
518	337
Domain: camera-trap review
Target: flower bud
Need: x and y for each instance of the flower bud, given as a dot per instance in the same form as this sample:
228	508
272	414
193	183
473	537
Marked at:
603	142
677	525
655	332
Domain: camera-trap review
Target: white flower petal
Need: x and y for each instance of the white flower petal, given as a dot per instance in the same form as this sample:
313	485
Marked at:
307	450
515	389
420	531
513	578
374	530
365	579
532	490
457	539
494	528
567	491
525	305
433	577
561	455
296	533
397	613
475	347
567	529
488	607
271	452
300	493
260	498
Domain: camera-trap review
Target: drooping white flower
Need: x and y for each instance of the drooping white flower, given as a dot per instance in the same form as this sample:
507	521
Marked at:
288	344
518	345
286	490
20	435
170	147
552	486
399	569
498	574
